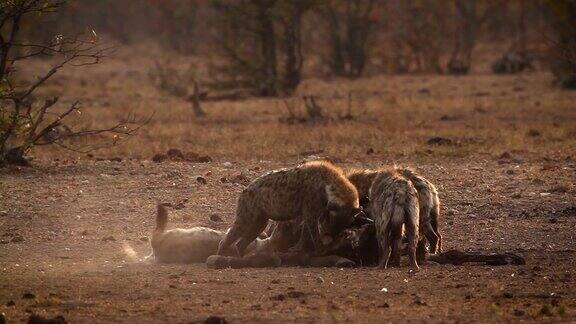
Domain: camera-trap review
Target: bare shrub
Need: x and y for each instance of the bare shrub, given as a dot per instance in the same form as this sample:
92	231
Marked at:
27	121
562	17
180	83
261	42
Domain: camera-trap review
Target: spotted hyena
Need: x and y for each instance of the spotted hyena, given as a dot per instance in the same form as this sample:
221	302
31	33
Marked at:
186	245
428	201
316	193
394	205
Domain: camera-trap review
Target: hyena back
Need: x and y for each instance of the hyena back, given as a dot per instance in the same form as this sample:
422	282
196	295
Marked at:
429	209
317	191
394	204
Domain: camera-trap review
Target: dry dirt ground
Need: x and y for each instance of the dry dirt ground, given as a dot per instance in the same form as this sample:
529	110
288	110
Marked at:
67	231
73	226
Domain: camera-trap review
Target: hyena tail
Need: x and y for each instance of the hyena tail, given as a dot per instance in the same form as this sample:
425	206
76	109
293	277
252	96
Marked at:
161	218
411	223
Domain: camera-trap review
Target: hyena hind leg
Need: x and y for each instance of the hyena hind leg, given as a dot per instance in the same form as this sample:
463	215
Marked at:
384	244
432	237
396	240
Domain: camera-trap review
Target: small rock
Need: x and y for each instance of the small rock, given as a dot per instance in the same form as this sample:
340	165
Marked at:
144	239
279	297
109	239
319	280
17	238
369	151
385	305
10	303
215	320
510	172
519	312
116	159
517	195
201	180
84	232
440	141
215	218
295	294
159	157
546	311
553	220
507	295
227	164
28	295
223	180
418	301
2	318
275	281
533	133
37	319
240	179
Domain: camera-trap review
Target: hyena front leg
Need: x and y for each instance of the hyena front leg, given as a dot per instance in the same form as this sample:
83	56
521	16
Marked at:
251	233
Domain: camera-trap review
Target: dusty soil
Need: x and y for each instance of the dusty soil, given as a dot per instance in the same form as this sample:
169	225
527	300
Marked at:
501	150
68	231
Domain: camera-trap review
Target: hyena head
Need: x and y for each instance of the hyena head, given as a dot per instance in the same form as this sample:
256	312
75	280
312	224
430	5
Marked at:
341	211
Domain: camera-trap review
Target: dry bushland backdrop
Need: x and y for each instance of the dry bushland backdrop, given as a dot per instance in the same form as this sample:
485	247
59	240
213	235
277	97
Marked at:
271	79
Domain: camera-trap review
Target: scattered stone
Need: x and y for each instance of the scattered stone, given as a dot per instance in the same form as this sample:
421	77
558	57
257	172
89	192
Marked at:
240	179
533	133
17	238
507	295
159	157
215	320
519	312
223	180
37	319
215	218
227	164
319	280
28	295
10	303
385	305
177	155
275	281
109	239
546	311
440	141
370	151
553	220
295	294
418	301
201	180
144	239
279	297
116	159
516	195
510	172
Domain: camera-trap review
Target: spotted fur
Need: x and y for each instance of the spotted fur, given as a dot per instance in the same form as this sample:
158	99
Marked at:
314	193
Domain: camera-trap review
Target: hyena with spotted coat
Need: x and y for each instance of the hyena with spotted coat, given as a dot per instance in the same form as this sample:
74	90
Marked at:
428	201
429	209
317	193
394	205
